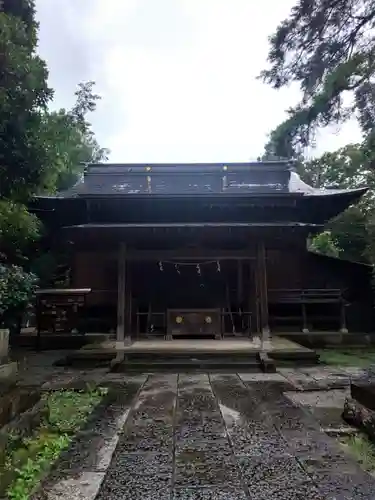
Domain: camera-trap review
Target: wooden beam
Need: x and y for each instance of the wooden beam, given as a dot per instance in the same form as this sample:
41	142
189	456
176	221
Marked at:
189	254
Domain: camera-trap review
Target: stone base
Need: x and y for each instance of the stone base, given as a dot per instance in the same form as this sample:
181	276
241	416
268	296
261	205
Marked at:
360	416
267	364
266	345
8	370
364	394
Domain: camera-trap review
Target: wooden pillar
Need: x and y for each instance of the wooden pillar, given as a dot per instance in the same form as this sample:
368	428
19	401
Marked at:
263	291
343	326
239	283
121	336
254	282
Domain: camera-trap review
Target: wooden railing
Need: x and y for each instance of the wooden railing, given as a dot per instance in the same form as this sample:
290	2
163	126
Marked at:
239	323
309	295
311	306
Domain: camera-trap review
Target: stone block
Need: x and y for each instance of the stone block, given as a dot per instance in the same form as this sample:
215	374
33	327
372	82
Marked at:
8	370
364	394
267	364
360	416
4	343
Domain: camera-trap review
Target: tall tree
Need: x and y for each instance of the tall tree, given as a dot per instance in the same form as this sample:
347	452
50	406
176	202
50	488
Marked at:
24	96
344	168
40	151
71	140
328	48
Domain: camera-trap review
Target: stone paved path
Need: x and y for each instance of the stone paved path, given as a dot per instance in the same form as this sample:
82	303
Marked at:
206	437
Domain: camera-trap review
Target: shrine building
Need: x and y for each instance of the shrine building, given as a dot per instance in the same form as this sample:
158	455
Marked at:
206	251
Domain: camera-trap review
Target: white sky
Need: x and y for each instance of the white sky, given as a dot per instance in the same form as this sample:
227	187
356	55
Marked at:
178	78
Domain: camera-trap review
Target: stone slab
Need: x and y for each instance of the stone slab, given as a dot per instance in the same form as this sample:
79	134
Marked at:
343	486
227	492
202	468
305	491
261	377
8	370
322	399
268	474
82	486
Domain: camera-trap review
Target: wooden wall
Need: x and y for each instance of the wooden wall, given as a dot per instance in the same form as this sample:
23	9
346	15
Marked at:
301	269
98	271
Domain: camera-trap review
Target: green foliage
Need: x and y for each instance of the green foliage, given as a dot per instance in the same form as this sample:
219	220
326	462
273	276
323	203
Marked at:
35	456
18	227
16	289
348	357
350	231
362	449
46	449
326	47
347	167
325	244
24	10
69	409
41	151
24	94
52	269
71	141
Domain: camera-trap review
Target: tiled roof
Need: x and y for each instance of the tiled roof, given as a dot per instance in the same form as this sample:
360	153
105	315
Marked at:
194	179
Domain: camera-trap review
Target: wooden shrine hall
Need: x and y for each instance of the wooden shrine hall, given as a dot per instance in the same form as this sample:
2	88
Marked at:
205	251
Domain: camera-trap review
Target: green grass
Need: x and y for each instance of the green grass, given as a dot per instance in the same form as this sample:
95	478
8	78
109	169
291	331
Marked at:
69	409
28	462
361	357
362	449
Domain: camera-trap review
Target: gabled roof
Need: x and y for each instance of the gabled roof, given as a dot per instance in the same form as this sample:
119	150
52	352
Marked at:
249	192
205	179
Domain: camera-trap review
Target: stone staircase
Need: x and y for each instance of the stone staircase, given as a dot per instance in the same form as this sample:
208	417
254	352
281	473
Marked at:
154	362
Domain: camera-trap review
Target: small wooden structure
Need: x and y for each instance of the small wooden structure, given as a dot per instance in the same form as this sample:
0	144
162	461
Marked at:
61	311
163	247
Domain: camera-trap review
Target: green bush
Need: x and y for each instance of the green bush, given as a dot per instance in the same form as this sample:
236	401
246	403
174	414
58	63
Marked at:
16	289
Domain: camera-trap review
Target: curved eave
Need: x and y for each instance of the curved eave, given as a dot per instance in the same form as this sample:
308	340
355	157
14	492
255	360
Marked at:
334	193
323	205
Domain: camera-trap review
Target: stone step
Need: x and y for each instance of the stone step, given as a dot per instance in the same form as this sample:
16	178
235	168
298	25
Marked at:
192	364
97	357
297	357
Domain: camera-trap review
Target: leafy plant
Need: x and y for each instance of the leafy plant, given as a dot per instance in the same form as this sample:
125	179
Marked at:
324	243
48	450
68	410
362	449
16	288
